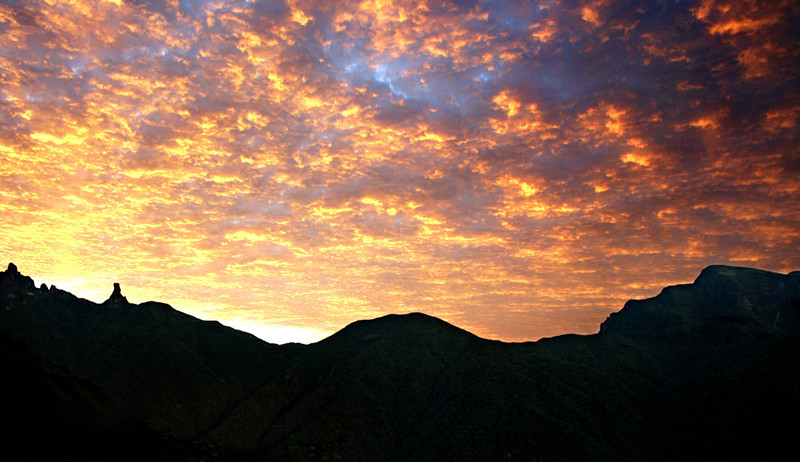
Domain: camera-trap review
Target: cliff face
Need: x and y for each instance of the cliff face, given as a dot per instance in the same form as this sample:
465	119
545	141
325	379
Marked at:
765	301
749	289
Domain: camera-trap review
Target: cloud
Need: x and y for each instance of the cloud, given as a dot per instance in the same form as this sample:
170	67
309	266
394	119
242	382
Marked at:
517	168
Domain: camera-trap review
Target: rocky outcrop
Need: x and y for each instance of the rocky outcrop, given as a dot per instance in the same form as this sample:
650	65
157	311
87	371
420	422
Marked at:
720	293
116	298
12	280
746	288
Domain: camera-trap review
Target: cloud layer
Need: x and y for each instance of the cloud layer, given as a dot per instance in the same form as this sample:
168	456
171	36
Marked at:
517	168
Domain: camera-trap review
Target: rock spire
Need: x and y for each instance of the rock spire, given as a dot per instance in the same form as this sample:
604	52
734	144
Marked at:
116	297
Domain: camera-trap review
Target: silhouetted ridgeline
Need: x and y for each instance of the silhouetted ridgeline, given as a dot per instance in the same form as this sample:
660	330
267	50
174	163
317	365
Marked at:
707	370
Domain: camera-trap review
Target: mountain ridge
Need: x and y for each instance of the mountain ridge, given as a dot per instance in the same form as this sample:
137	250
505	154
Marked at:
414	387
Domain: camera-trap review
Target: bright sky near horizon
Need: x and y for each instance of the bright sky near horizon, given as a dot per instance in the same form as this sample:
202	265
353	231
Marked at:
519	169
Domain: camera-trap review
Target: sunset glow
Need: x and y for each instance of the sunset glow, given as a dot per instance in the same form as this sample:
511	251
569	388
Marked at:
519	169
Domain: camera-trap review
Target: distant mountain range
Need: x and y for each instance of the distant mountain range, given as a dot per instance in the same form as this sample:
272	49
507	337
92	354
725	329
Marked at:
703	371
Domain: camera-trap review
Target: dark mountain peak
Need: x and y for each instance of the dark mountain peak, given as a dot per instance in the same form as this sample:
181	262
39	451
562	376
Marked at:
739	276
11	279
116	298
719	294
747	288
418	324
412	328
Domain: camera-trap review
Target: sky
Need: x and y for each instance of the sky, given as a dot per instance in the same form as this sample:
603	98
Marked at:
518	169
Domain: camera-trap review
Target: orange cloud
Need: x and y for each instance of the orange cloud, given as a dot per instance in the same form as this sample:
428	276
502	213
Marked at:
519	169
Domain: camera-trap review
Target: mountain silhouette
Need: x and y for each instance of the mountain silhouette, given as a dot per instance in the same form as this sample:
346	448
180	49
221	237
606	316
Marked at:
703	370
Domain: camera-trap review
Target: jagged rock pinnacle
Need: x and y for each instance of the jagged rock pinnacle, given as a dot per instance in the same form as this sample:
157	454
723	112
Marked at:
116	297
12	279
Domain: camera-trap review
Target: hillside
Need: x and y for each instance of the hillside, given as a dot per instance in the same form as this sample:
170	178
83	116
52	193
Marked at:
700	370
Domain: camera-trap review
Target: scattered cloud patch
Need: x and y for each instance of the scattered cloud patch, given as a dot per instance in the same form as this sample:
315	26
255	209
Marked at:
517	168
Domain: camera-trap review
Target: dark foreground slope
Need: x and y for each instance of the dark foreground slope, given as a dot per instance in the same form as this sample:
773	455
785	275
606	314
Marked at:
177	372
701	371
40	398
49	413
727	314
720	359
413	387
